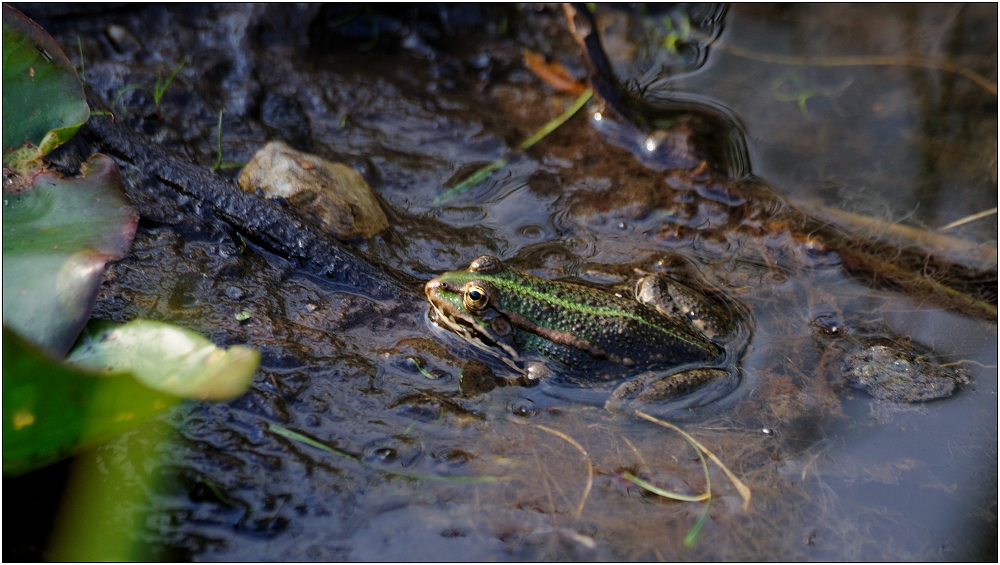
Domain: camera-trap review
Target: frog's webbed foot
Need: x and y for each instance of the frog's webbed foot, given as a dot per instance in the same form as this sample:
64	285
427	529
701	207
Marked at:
666	394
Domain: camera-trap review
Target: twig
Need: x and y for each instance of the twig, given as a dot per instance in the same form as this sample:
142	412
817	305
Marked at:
971	218
984	253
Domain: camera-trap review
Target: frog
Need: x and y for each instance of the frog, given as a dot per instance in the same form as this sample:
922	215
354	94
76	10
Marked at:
658	342
889	367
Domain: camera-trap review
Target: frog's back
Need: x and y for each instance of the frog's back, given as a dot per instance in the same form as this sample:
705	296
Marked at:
609	332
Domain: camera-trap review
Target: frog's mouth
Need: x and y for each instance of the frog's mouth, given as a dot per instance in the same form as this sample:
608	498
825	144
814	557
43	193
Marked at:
446	312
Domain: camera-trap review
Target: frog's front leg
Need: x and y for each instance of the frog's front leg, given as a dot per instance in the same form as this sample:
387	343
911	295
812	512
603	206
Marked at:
665	393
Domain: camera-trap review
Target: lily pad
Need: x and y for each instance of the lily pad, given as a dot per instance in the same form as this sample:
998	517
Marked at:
117	378
52	410
57	237
167	358
43	100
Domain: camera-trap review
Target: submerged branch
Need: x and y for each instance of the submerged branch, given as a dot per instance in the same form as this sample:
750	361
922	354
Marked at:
982	253
856	61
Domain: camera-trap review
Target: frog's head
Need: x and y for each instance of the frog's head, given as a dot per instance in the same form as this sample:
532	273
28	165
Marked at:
466	303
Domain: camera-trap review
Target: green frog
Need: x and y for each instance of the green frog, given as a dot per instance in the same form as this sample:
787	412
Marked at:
664	339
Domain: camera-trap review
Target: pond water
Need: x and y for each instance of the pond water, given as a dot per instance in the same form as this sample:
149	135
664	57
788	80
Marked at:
418	98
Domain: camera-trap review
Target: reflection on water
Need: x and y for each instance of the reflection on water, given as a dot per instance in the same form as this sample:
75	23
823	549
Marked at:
415	469
909	136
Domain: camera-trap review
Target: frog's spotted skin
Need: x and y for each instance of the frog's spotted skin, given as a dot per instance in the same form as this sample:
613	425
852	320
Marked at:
888	366
592	333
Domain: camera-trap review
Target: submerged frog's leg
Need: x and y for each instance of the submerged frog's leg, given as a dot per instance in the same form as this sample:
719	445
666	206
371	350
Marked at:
662	393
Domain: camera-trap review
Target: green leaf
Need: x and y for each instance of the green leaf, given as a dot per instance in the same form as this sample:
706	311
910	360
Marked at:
168	358
51	410
57	237
42	94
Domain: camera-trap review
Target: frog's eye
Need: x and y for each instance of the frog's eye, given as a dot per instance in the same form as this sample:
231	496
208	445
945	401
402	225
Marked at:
475	297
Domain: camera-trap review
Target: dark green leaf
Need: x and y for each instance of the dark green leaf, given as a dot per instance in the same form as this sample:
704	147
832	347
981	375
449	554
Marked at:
51	410
57	237
42	94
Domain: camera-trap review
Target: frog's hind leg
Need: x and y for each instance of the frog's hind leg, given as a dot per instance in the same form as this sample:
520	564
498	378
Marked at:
670	395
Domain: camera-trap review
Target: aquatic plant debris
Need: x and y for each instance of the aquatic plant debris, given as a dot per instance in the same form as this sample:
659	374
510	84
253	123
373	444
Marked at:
970	218
740	487
553	73
856	61
666	493
586	457
483	173
692	536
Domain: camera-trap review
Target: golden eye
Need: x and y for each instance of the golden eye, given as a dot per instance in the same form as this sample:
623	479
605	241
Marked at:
475	297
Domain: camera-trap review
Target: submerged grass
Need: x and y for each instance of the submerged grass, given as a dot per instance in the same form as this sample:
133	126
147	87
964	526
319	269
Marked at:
158	90
219	164
590	466
692	536
740	487
296	436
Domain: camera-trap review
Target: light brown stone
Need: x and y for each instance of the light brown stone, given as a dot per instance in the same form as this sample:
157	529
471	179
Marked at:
332	194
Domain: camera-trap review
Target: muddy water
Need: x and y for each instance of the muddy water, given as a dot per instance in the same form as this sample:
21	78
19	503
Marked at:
515	474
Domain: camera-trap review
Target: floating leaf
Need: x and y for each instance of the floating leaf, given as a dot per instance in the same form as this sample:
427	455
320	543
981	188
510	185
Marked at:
52	410
43	100
168	358
57	237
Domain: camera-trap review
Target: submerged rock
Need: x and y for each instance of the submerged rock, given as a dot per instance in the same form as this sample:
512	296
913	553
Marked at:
333	194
